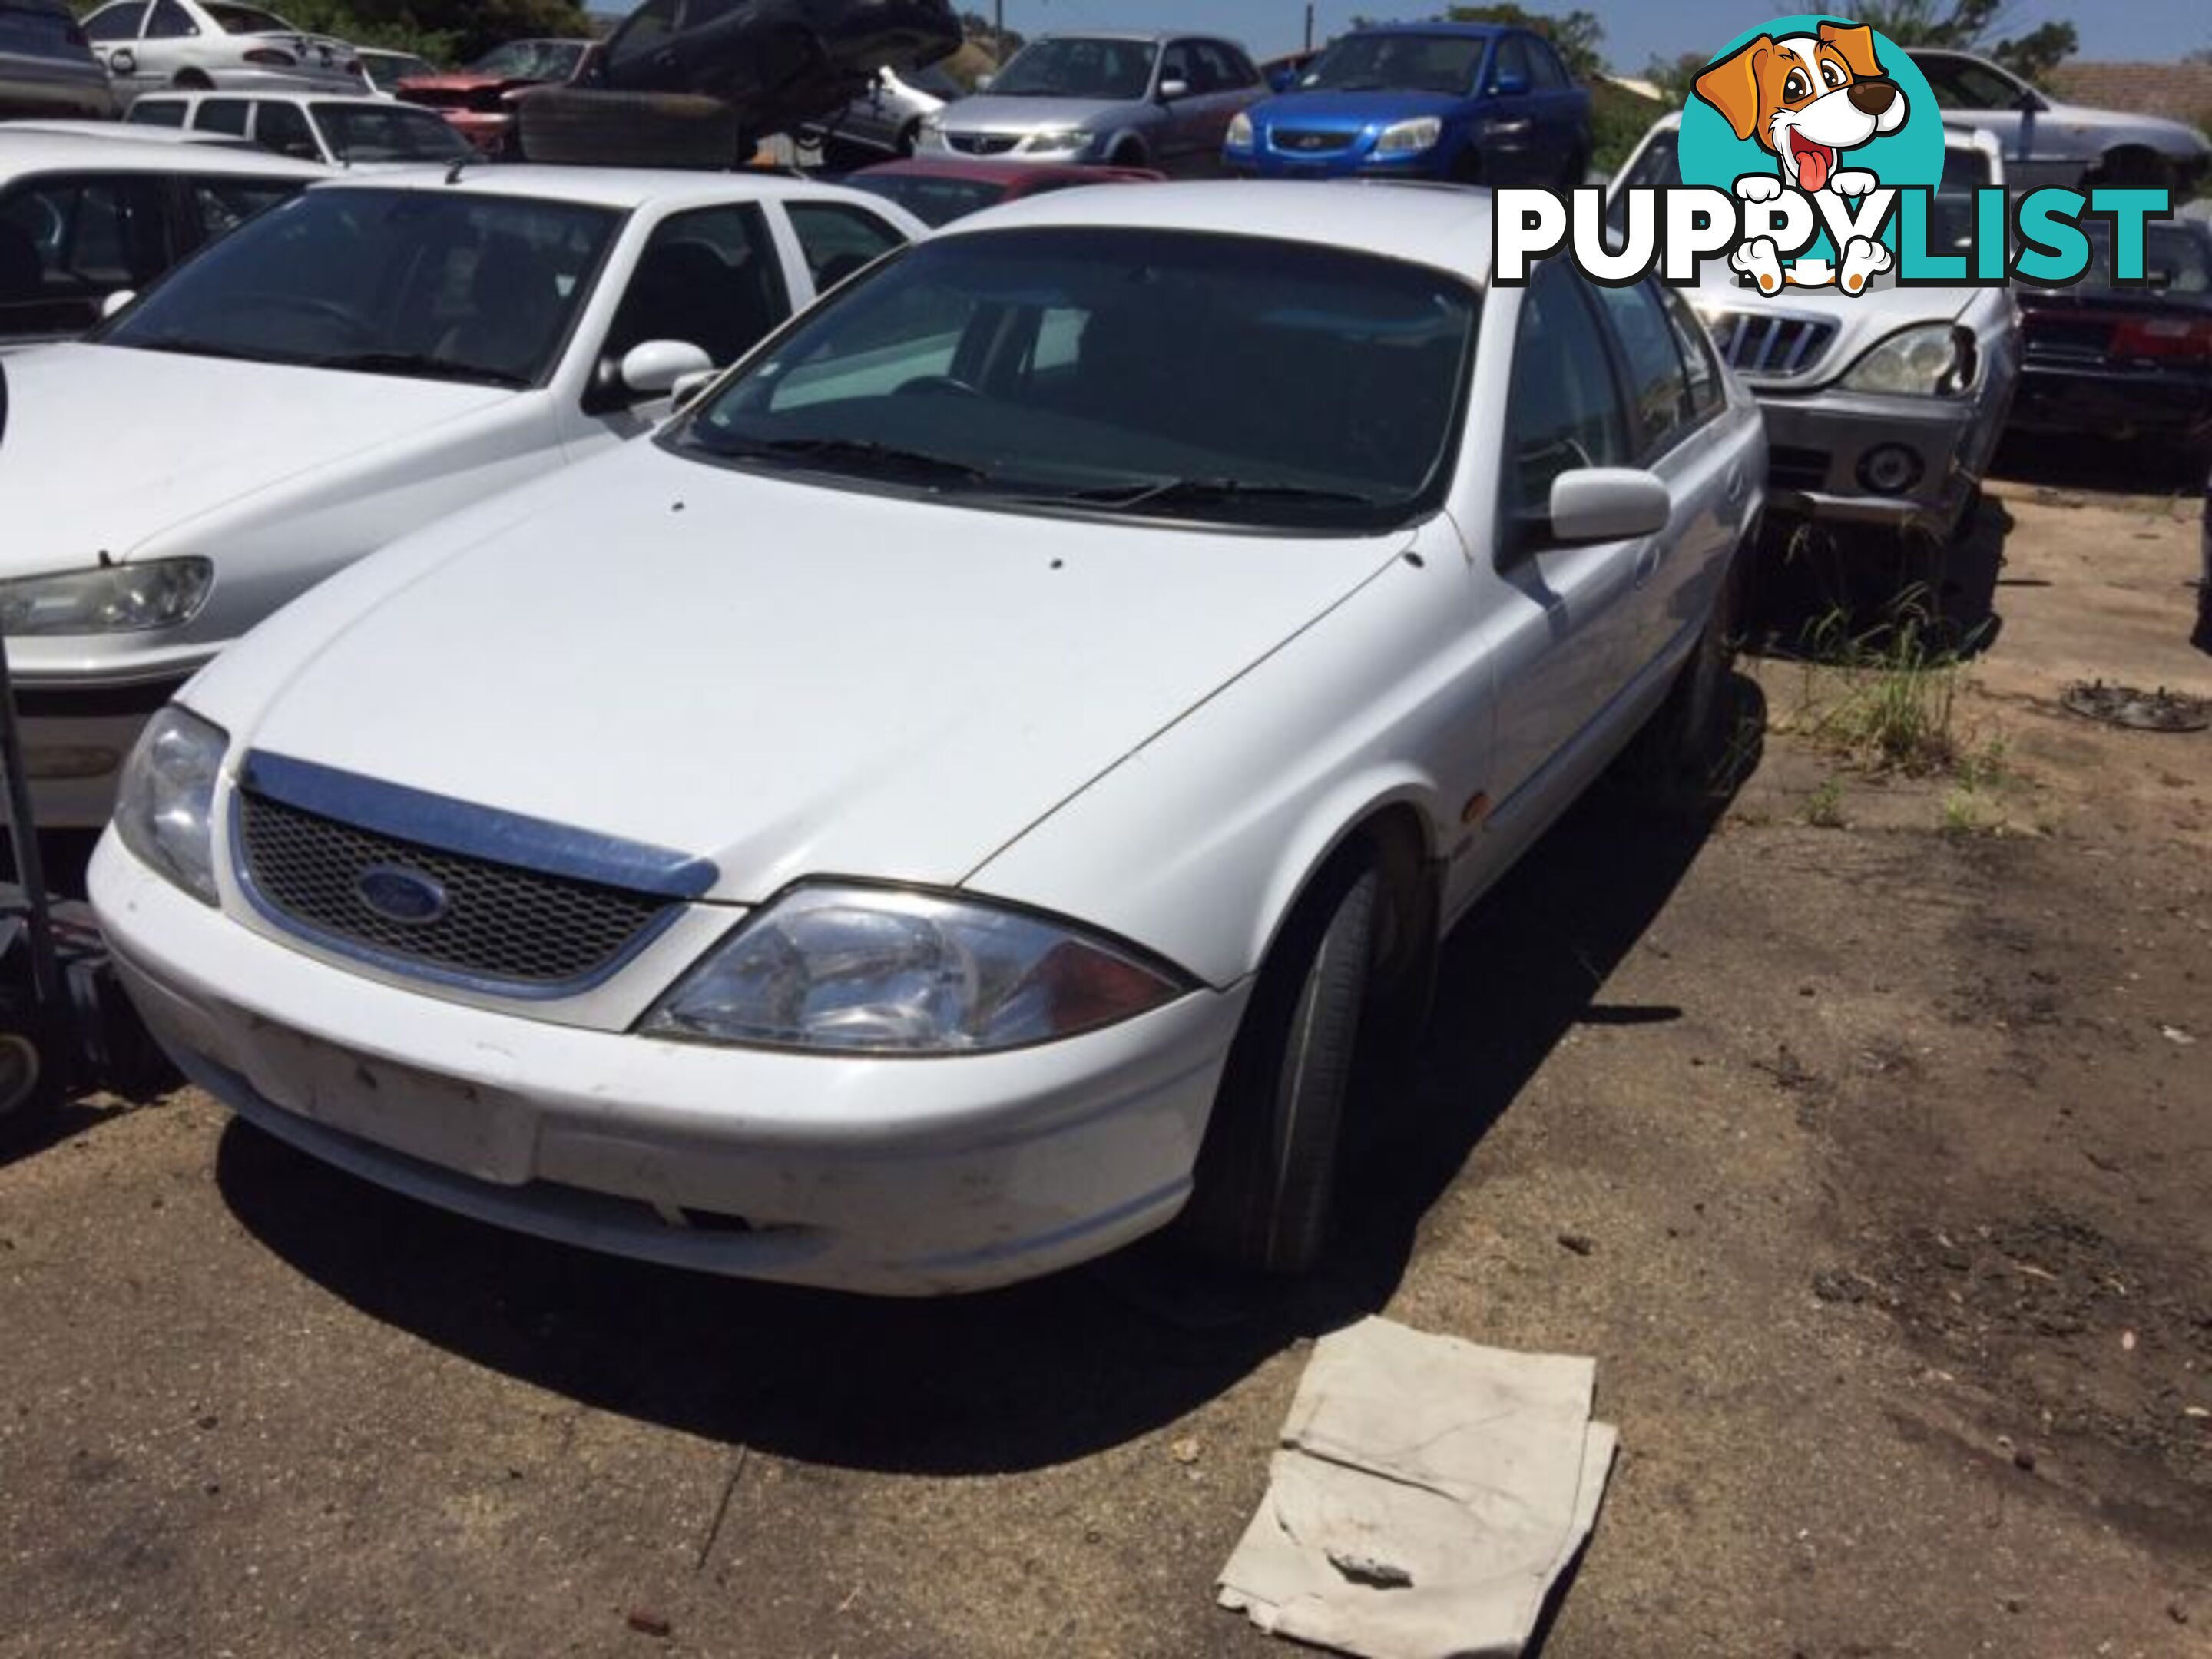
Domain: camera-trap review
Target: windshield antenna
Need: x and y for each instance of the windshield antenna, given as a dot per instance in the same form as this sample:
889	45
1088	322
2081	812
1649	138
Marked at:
453	172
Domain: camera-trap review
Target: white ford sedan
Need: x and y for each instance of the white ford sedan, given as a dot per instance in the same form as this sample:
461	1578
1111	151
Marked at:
352	365
960	796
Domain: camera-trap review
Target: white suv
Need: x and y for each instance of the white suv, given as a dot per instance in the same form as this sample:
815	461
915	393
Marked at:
206	44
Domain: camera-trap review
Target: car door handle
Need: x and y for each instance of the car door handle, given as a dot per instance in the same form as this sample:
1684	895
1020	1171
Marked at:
1647	560
1509	129
1735	485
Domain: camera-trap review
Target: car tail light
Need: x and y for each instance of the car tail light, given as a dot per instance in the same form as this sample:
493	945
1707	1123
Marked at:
271	55
2163	337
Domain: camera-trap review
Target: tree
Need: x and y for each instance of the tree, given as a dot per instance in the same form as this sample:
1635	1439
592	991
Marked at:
1972	26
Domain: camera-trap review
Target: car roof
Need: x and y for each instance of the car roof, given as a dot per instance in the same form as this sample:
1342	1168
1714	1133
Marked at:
22	152
1154	37
203	95
1464	31
1446	226
1954	137
985	169
610	188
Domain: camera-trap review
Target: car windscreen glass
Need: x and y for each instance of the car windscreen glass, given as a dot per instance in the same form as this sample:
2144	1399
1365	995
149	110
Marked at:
2176	258
33	32
248	19
1164	374
1965	168
932	79
1118	70
529	60
1374	61
430	285
359	130
935	202
1656	166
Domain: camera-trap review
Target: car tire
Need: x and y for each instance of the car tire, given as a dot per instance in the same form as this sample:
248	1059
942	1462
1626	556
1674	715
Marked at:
1574	173
192	81
1127	154
1267	1174
2133	168
1681	747
567	127
29	1095
1466	167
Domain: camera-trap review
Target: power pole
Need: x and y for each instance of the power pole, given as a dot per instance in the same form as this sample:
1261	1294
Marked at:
1309	25
999	30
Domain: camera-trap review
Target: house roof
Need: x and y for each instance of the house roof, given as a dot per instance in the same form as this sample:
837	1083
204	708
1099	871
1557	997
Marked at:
2181	92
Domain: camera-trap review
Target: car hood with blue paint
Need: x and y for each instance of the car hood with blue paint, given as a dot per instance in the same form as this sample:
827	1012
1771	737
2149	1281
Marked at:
1342	111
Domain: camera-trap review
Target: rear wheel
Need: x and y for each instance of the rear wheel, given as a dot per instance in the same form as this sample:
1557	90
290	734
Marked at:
1127	154
2133	169
192	81
564	126
29	1090
1466	167
1266	1175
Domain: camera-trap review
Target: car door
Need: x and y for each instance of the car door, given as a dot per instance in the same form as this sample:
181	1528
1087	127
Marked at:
1561	143
284	130
1565	630
1675	396
1511	138
838	240
170	44
1181	125
69	241
1226	85
714	277
114	32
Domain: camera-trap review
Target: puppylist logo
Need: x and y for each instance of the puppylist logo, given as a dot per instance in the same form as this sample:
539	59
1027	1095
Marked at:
1810	153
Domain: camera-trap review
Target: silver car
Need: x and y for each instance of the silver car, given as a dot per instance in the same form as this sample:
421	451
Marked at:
1125	99
2049	142
1883	408
887	117
202	44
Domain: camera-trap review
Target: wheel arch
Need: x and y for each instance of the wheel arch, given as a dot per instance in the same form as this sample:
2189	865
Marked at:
1391	821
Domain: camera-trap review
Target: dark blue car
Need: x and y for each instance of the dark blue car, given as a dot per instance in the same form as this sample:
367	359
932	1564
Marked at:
1471	102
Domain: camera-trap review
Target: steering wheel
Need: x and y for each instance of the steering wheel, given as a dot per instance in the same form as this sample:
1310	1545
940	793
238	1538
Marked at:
935	386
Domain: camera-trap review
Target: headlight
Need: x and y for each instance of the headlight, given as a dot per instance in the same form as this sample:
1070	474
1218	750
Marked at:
1410	138
1240	131
1058	143
165	806
880	970
1935	360
117	599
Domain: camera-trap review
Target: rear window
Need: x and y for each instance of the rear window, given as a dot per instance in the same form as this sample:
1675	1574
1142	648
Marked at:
249	20
158	112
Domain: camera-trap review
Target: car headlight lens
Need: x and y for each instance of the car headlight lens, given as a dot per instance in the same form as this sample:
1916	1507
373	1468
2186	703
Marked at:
116	599
165	806
886	971
1935	359
1240	131
1410	138
1058	143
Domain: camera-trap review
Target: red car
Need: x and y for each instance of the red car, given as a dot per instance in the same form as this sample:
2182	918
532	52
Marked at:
475	99
938	190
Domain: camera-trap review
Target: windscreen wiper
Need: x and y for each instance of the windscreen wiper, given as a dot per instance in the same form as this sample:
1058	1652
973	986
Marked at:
1198	492
864	450
421	364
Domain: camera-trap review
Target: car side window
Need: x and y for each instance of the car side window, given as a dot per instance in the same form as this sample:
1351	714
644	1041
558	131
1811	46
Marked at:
284	128
68	243
1651	363
157	112
1243	72
1215	72
1509	62
114	23
709	277
1547	73
1564	409
1700	364
221	204
839	238
1175	64
222	115
170	21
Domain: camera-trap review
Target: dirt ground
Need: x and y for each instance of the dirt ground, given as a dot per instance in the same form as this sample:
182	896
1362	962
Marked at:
1885	1110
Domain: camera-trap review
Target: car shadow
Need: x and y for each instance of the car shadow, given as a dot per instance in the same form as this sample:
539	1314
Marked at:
1043	1372
2084	461
1821	590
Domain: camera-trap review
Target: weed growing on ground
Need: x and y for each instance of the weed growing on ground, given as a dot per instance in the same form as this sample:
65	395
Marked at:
1895	698
1824	808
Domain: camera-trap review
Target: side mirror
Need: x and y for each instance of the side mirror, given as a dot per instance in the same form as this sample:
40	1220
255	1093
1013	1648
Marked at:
1171	90
984	83
2029	101
658	367
1607	504
1282	80
685	393
117	301
1509	86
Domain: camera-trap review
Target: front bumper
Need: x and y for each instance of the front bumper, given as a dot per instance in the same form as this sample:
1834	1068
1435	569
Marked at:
1356	161
2108	403
891	1177
1826	452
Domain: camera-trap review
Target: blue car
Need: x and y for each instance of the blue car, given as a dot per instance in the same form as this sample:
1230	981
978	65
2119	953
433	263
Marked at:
1469	102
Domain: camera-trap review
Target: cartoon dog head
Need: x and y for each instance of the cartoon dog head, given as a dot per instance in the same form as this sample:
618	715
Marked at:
1806	97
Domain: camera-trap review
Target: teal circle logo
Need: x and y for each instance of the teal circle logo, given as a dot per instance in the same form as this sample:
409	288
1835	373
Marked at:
1806	98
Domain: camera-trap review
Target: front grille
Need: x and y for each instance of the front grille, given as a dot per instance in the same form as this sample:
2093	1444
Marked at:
1312	143
1792	468
500	923
982	143
1765	343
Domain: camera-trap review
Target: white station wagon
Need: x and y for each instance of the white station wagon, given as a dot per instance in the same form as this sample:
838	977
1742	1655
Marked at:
351	366
958	796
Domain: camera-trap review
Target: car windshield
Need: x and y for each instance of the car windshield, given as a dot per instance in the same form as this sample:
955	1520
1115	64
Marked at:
1377	60
529	60
34	31
933	201
387	71
1067	67
249	20
432	285
358	129
1163	375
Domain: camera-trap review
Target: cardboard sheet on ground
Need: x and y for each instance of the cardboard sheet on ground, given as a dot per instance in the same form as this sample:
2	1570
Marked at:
1428	1494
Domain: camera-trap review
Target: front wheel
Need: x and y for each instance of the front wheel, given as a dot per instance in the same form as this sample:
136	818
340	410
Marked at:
1266	1175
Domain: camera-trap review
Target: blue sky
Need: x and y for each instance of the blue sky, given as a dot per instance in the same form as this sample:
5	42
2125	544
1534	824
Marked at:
1634	33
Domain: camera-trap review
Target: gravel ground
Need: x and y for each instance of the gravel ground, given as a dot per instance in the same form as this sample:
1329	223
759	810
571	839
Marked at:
1884	1109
